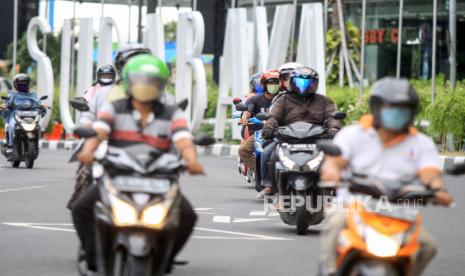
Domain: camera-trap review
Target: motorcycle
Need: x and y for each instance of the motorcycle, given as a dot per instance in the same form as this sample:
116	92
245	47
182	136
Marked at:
27	132
298	173
138	211
380	241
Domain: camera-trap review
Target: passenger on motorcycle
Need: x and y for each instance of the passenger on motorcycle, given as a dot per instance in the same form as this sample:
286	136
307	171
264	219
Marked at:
139	119
257	104
384	145
302	103
285	71
20	99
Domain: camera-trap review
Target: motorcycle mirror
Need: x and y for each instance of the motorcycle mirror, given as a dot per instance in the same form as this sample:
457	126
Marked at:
241	107
237	101
456	169
85	132
43	98
263	116
80	104
183	104
339	115
5	98
204	140
329	148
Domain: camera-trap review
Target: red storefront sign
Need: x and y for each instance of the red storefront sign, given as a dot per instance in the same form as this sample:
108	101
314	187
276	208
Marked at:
380	36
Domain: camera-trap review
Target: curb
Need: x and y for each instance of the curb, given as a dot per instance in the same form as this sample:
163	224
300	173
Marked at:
214	150
221	150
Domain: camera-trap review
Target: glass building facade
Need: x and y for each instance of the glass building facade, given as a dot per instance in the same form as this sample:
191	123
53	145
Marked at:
382	33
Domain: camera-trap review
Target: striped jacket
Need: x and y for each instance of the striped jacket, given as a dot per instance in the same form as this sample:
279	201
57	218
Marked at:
166	124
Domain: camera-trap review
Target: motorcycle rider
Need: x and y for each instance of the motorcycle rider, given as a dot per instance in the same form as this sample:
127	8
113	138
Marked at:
302	103
257	104
384	145
255	88
285	71
108	91
139	119
22	95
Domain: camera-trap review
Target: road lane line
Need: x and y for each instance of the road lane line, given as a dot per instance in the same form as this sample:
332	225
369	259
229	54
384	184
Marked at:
222	219
263	237
223	238
239	220
257	213
35	226
21	189
202	209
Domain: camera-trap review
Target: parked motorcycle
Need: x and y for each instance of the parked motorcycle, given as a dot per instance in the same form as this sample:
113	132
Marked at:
298	173
138	212
27	132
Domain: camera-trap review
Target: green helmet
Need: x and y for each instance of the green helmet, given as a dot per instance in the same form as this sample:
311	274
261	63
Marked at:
144	77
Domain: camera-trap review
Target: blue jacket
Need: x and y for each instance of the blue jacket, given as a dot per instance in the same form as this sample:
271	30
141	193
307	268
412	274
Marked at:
20	101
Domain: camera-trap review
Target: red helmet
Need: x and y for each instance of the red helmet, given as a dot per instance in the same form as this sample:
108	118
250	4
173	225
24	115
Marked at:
270	81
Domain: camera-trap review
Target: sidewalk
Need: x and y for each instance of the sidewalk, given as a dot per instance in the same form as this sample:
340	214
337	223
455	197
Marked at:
219	150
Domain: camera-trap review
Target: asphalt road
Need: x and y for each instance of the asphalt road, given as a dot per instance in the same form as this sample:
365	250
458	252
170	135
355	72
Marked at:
233	236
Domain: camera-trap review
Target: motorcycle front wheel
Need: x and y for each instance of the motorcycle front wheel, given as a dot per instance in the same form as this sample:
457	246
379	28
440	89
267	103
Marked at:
30	154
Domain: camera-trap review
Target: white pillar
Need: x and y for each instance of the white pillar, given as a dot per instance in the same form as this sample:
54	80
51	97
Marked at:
65	112
280	35
155	35
85	65
105	41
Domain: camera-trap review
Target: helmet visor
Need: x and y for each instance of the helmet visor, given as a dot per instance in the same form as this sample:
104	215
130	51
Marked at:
144	88
302	84
258	88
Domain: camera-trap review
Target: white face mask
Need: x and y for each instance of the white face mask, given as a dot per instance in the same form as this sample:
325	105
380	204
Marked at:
106	80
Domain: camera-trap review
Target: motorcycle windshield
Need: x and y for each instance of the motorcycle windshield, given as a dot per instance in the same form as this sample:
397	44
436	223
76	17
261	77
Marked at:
301	130
24	104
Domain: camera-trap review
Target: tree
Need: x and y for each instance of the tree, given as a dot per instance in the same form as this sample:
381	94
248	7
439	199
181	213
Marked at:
170	31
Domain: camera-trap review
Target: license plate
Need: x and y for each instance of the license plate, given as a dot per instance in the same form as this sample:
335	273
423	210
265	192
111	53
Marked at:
137	184
27	113
302	147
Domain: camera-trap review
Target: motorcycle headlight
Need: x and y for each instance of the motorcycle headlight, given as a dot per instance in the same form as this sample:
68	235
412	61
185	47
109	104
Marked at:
287	162
124	214
381	245
154	215
28	127
315	163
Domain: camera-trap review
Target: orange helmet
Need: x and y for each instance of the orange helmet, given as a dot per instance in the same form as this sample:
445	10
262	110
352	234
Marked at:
270	81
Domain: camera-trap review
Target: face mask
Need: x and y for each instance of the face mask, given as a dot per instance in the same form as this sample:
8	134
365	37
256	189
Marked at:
106	80
144	92
302	85
395	118
272	88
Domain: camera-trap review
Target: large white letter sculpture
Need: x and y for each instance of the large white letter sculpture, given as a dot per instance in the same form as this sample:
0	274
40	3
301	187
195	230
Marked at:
280	35
85	67
44	66
311	49
105	41
234	71
261	38
190	36
65	112
154	37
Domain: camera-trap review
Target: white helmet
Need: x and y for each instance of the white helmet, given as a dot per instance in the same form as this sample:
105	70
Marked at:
284	74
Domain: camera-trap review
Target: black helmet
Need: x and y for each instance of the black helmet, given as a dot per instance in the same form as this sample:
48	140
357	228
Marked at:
304	81
128	51
106	75
255	84
21	83
394	103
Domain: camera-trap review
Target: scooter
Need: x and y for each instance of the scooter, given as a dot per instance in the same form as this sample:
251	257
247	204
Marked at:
138	211
27	132
239	107
379	241
298	172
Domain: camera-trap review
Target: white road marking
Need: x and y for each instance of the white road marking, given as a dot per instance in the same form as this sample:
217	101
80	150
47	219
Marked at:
40	226
240	235
21	189
273	214
238	220
202	209
262	237
222	219
257	213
